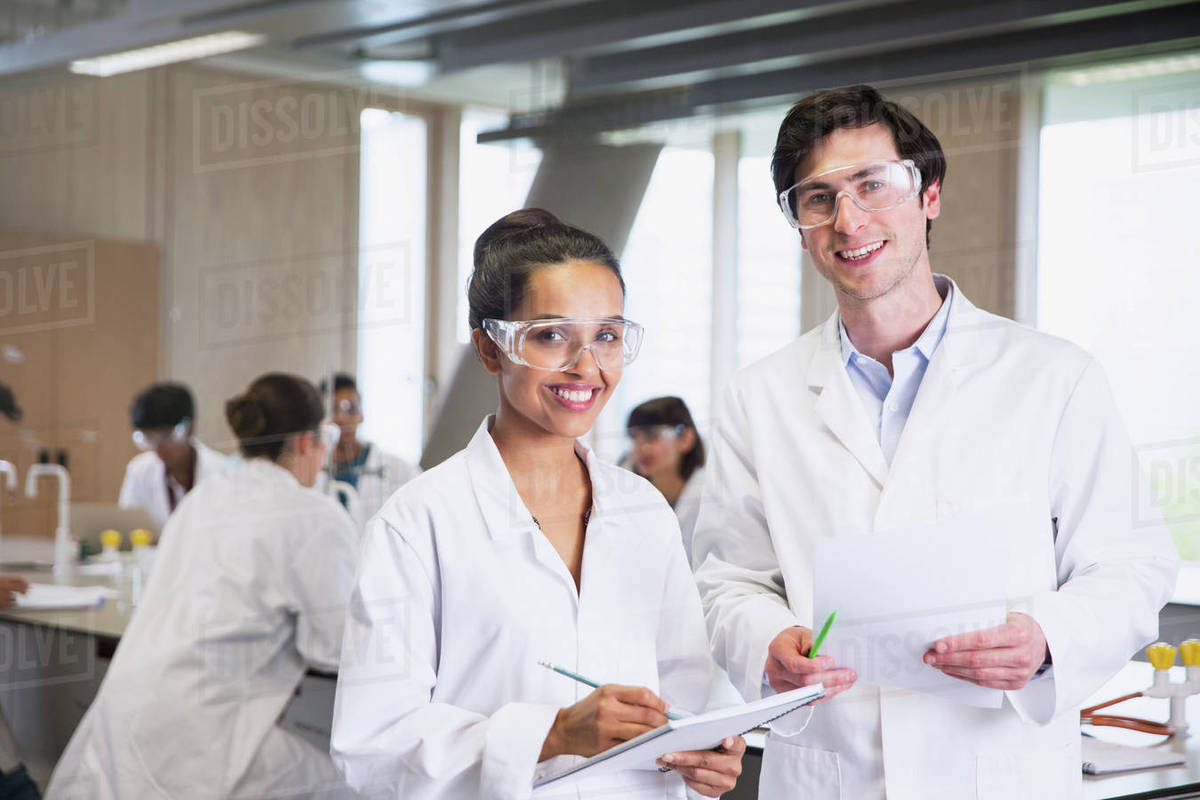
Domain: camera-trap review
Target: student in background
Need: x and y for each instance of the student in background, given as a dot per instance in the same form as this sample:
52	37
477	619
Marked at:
373	473
248	592
172	460
668	452
525	546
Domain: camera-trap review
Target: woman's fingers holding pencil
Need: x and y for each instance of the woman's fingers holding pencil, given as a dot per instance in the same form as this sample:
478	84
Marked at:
608	716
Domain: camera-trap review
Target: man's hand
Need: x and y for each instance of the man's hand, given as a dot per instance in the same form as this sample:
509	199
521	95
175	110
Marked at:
788	666
608	716
709	772
10	587
1004	657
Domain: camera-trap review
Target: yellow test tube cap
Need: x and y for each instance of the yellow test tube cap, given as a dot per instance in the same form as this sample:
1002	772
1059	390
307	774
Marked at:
139	537
1190	651
110	538
1161	655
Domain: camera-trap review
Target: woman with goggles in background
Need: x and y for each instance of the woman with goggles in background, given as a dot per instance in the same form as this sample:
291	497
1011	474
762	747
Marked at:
521	548
668	452
172	460
248	592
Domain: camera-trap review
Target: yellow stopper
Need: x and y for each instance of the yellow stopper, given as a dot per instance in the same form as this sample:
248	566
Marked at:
110	538
1161	655
139	537
1190	650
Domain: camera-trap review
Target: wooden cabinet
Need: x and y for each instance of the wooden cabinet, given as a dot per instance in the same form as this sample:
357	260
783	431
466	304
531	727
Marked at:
79	334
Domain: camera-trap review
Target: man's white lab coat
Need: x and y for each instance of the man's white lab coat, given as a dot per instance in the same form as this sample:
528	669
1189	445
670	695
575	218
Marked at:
1004	415
458	597
248	591
146	484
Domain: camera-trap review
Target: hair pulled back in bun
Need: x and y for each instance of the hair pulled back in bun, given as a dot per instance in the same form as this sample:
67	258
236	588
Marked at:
275	407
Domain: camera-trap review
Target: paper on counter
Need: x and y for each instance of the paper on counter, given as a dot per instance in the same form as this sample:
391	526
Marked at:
47	596
897	592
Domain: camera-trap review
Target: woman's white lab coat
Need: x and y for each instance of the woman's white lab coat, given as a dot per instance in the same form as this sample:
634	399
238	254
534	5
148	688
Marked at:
146	485
1004	416
459	595
248	591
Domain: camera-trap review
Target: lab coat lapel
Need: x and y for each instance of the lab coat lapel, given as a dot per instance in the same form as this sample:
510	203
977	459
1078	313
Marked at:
503	512
922	450
839	406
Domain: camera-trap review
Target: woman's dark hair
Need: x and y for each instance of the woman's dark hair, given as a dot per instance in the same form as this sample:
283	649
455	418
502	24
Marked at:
341	380
670	411
821	113
275	407
514	247
162	405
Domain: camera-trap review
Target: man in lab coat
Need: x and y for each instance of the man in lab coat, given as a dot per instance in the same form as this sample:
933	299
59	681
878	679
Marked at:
172	460
909	406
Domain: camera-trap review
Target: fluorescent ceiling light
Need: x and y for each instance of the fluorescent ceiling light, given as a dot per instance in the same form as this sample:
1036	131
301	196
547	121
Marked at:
169	53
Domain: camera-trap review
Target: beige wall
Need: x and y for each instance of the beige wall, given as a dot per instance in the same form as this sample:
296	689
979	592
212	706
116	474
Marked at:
249	187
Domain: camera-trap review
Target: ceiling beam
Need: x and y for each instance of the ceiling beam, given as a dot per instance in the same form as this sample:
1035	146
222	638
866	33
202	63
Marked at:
1175	26
835	37
621	25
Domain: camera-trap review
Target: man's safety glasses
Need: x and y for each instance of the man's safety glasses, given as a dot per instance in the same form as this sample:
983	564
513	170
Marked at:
558	344
873	186
153	438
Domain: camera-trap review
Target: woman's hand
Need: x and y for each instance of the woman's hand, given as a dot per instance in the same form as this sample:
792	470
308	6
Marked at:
608	716
709	772
10	587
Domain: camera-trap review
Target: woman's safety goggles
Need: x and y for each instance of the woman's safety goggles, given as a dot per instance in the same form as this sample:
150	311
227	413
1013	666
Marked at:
558	344
154	438
873	186
653	433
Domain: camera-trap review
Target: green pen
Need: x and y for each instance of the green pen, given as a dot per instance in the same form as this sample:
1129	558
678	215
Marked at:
575	676
816	645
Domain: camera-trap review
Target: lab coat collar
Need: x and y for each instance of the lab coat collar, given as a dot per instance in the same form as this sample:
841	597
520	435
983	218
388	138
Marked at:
264	469
503	510
838	404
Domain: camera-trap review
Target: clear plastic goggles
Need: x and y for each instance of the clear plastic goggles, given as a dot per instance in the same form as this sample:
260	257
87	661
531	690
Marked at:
653	433
872	186
558	344
153	438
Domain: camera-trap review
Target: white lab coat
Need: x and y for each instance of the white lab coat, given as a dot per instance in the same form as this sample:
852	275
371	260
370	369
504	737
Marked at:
248	591
1004	414
381	475
145	483
687	507
459	595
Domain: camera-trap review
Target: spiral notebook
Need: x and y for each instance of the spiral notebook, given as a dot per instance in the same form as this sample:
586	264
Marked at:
1106	758
701	732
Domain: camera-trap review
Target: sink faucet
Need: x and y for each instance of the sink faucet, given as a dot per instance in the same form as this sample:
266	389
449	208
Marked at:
10	473
62	534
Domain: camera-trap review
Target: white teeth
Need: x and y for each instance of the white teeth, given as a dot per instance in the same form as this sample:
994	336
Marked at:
860	252
573	396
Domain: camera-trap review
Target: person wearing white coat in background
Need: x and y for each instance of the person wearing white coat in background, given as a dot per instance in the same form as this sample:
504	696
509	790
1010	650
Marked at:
526	547
248	592
373	473
172	461
911	405
667	451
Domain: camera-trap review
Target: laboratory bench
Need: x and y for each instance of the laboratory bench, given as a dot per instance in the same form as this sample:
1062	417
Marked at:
52	662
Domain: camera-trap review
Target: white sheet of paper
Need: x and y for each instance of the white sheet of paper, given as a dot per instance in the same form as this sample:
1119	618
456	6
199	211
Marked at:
47	596
897	592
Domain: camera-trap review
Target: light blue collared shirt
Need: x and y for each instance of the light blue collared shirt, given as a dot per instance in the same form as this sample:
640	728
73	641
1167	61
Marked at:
889	400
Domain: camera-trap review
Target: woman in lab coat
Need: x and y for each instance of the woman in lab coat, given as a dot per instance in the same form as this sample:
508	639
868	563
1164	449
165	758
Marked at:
525	547
668	452
233	615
